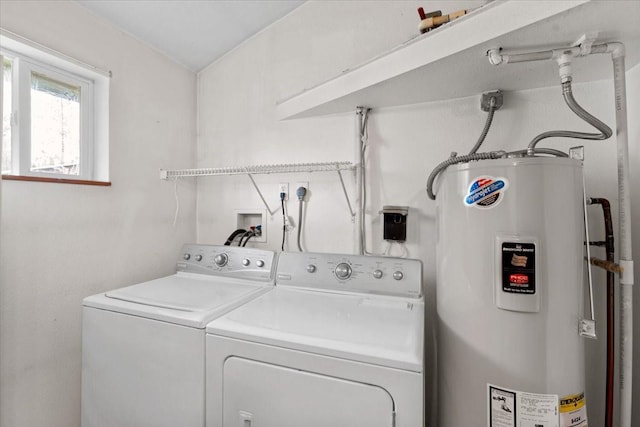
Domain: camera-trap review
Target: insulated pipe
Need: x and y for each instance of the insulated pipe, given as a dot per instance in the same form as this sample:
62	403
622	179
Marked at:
624	218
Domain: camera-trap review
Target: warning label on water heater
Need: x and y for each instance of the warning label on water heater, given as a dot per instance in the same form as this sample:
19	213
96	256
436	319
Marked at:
511	408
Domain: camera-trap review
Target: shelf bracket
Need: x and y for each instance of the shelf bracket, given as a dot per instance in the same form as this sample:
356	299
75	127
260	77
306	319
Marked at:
346	196
266	205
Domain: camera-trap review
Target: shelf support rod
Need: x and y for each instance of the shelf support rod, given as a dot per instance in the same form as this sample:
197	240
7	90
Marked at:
266	205
346	196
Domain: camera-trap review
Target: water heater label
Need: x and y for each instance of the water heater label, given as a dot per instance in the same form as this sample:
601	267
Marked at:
486	192
502	407
511	408
573	411
519	267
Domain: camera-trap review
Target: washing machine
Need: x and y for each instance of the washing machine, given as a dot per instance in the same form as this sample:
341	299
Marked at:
143	346
338	342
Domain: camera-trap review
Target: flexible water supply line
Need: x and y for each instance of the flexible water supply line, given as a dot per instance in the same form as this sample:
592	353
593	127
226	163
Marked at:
564	63
617	52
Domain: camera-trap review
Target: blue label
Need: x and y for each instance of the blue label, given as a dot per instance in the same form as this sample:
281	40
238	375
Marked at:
485	192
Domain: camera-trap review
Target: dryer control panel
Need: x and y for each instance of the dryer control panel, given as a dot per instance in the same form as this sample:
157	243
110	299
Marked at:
351	273
227	261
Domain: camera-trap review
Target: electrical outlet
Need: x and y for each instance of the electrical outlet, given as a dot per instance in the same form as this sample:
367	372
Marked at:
283	187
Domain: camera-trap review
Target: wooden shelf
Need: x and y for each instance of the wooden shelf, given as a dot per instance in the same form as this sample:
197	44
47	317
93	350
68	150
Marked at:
450	62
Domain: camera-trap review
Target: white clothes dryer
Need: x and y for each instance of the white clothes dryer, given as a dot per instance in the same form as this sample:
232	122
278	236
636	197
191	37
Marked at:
143	346
337	343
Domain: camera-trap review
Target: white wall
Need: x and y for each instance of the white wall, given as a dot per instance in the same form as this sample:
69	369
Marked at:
61	243
237	126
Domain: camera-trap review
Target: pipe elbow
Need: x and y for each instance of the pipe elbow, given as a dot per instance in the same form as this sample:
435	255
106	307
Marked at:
495	58
616	49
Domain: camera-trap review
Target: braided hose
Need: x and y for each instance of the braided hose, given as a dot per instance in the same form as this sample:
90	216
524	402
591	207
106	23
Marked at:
567	93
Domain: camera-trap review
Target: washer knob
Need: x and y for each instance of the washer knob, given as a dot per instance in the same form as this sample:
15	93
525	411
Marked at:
221	260
260	263
311	268
246	262
377	274
198	257
186	257
343	271
398	275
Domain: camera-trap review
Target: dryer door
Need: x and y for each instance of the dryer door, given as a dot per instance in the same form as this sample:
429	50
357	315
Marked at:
264	395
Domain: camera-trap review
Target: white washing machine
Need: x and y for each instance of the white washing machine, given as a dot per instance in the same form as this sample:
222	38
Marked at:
337	343
143	346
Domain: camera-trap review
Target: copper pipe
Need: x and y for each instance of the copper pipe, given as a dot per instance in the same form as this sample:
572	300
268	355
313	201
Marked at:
609	245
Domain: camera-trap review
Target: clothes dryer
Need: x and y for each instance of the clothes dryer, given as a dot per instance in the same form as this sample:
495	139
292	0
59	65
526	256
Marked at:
143	346
338	342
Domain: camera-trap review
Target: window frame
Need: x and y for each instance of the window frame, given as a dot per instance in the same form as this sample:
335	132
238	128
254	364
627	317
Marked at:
27	56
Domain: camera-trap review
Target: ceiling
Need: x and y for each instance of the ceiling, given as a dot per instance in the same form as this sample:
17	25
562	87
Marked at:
193	33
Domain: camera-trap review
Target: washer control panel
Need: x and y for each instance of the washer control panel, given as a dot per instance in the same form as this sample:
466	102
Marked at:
229	261
351	273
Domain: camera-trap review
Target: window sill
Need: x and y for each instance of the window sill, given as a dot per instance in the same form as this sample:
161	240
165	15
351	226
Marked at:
56	180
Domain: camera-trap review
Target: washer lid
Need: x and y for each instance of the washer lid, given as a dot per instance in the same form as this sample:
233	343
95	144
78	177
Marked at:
385	331
183	298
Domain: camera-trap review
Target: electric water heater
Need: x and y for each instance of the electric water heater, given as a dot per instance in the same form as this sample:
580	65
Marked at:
509	294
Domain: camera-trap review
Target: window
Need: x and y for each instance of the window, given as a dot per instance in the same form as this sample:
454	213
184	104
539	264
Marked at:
55	115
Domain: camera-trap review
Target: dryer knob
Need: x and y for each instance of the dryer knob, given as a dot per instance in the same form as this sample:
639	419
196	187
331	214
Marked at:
343	271
246	262
398	275
221	260
260	263
198	257
186	257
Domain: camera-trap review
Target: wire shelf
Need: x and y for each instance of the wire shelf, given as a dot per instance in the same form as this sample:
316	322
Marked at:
259	169
267	169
